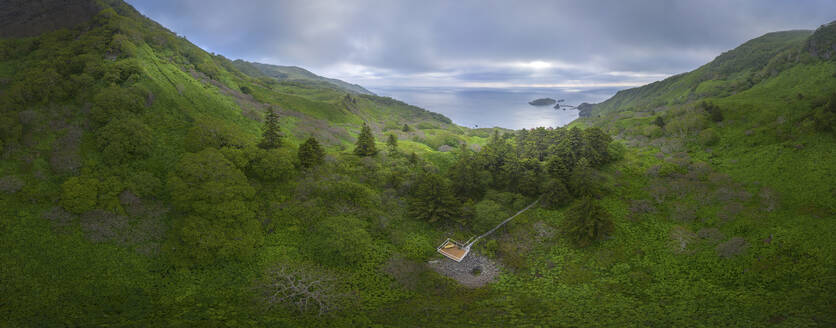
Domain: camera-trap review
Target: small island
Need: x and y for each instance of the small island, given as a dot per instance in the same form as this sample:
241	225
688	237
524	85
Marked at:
542	102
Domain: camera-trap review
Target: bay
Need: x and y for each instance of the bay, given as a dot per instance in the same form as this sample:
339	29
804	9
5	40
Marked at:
490	107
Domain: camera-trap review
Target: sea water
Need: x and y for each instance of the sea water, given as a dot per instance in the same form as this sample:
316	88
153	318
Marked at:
489	107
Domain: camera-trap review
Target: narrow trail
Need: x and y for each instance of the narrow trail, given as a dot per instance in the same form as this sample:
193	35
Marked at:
502	223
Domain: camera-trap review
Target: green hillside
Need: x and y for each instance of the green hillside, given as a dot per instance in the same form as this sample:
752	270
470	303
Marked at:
145	182
296	74
731	72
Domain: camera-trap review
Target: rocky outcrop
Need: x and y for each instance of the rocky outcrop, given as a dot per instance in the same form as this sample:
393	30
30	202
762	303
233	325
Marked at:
822	43
585	109
24	18
542	102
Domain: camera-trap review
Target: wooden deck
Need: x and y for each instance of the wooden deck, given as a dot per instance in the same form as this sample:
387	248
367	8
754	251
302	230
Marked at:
453	251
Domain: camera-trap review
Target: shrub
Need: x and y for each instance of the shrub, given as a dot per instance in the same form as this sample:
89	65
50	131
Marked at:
11	184
341	241
79	195
273	165
732	247
114	102
708	137
487	214
211	133
417	246
302	290
124	140
219	222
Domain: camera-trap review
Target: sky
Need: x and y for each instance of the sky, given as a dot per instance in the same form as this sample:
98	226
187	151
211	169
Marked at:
484	44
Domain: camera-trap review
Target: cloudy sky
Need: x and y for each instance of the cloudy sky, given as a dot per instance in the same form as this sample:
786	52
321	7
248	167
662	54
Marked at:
483	43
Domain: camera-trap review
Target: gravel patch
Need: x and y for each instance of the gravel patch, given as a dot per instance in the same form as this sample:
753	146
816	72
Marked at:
473	272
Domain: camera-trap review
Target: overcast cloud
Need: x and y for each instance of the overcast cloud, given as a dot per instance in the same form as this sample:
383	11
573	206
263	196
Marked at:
483	43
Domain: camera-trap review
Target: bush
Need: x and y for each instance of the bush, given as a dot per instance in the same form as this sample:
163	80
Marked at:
487	214
341	241
211	133
273	165
11	184
417	246
114	102
124	140
219	222
708	137
79	195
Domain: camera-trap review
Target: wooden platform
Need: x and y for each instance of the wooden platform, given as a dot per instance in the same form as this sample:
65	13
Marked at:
453	250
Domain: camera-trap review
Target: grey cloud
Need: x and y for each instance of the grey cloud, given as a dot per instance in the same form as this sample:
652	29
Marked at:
470	40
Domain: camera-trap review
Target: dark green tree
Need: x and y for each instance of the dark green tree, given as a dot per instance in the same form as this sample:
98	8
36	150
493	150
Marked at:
469	179
659	121
555	194
585	181
587	222
365	142
413	158
432	199
406	128
271	135
311	153
392	143
557	168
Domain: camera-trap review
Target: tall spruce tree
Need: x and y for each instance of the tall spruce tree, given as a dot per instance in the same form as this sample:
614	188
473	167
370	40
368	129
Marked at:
587	222
365	142
433	200
392	143
271	135
311	153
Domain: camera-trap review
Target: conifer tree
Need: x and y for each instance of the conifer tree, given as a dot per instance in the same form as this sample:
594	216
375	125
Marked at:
587	222
271	136
406	128
392	143
365	142
311	153
433	199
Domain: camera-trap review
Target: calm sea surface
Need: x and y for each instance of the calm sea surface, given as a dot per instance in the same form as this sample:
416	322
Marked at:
507	108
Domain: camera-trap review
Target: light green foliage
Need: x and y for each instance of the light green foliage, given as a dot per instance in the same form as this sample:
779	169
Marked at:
310	153
273	165
114	102
365	142
709	137
79	194
219	222
124	140
341	241
215	134
487	214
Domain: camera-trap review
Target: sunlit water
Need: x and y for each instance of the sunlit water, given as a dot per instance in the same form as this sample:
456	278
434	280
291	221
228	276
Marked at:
507	108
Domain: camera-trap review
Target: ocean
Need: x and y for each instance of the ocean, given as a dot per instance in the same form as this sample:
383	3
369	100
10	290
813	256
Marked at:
490	107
